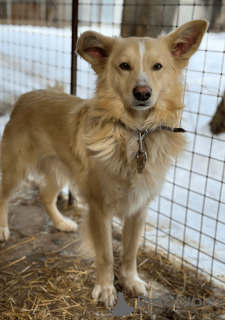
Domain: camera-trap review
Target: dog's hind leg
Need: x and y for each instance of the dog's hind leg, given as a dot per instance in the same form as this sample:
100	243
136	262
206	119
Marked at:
132	230
13	171
49	191
8	184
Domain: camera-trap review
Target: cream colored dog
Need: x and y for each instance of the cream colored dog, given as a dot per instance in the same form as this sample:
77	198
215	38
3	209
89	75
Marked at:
115	148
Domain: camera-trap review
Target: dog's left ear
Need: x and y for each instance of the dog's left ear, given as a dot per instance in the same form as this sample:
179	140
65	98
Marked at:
185	40
95	49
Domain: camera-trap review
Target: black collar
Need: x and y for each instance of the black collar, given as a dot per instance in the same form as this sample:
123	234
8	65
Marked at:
171	129
153	130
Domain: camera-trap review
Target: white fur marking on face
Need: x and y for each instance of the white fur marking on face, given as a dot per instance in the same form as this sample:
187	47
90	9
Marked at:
142	51
143	79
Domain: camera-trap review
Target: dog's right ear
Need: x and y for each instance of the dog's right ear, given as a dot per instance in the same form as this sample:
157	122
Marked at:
95	49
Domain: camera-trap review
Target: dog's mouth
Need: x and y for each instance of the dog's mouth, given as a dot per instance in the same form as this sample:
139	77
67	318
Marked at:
142	106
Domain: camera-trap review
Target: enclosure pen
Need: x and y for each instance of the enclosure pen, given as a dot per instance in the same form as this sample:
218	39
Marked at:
182	253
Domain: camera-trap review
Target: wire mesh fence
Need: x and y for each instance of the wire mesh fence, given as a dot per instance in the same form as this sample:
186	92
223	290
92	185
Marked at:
35	49
188	219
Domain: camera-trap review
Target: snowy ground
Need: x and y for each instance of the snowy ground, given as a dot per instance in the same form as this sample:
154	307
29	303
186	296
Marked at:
34	57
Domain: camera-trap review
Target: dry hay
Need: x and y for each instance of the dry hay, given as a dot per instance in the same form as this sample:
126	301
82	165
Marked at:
60	286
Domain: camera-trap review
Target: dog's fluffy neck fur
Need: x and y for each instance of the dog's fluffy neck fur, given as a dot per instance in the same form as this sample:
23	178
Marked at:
115	146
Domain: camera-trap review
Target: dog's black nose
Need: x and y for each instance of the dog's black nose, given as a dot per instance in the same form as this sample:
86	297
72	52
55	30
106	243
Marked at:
142	93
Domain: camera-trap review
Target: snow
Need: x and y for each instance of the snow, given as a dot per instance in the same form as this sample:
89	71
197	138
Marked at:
194	191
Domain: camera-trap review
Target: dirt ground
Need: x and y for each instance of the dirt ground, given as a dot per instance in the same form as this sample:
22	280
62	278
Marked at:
31	222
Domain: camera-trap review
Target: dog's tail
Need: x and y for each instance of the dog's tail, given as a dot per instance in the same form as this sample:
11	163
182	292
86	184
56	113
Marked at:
59	87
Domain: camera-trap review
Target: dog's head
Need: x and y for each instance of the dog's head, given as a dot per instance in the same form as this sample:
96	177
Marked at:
137	74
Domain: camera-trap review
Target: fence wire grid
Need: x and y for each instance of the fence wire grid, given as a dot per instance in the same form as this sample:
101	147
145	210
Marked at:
188	219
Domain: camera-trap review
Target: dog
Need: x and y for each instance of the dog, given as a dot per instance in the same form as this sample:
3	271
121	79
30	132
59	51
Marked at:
114	148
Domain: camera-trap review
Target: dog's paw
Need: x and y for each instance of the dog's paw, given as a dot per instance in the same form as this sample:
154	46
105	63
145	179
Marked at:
4	233
106	294
133	285
66	225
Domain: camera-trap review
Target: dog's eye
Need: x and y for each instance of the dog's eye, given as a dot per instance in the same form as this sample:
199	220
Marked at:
125	66
157	66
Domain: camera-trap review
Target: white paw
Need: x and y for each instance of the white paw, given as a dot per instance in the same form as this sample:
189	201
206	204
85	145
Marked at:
4	233
66	225
133	285
106	294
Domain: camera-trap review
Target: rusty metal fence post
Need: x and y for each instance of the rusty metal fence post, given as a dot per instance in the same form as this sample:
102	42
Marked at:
74	43
73	61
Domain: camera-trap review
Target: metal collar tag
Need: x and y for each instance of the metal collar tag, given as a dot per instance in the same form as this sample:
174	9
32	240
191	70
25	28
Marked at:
141	155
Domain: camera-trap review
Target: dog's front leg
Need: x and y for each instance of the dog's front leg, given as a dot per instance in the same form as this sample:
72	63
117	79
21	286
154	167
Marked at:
132	230
100	231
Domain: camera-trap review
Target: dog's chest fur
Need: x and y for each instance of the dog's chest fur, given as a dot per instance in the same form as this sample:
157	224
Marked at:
113	151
